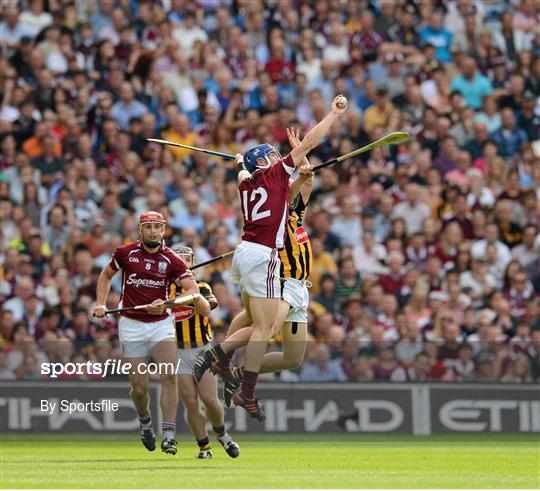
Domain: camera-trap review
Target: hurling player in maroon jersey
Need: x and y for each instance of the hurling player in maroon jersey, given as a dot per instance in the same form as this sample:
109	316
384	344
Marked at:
264	192
291	319
148	269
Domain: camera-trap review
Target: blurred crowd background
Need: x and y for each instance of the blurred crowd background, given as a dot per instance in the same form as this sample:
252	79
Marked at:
426	254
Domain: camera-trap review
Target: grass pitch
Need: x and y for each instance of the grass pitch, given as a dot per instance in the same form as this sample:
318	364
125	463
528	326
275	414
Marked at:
278	461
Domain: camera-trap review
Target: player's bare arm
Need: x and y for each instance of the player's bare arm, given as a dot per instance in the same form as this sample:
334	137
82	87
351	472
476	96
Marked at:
202	306
207	302
306	189
318	132
189	286
202	301
305	180
102	291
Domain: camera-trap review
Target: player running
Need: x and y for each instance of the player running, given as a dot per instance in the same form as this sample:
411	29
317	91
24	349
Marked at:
193	332
264	190
148	270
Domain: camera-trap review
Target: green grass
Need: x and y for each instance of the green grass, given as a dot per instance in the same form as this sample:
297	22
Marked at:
280	461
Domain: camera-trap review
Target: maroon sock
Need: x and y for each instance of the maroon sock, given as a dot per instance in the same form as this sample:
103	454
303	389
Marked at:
248	384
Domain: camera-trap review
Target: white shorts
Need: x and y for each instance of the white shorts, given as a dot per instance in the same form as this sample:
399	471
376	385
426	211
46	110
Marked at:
186	359
296	294
138	338
256	268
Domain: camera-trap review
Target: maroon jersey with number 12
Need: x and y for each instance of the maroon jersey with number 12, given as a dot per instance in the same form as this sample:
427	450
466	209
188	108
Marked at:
146	277
264	204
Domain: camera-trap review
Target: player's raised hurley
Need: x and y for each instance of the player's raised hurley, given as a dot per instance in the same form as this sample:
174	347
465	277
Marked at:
227	156
263	181
391	139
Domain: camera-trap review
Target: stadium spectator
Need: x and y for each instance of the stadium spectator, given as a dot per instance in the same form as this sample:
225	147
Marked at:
392	281
449	347
412	210
527	251
418	371
321	368
368	255
410	343
127	107
362	370
348	225
379	113
327	293
509	137
473	86
436	35
365	43
463	367
17	304
519	370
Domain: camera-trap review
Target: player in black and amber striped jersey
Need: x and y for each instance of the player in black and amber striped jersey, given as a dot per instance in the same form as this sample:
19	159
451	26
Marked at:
292	315
296	256
193	332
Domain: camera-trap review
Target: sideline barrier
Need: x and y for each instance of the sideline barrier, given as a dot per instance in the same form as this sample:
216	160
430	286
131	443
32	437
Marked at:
419	409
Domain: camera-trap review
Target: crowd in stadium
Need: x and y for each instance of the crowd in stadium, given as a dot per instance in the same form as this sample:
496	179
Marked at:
426	254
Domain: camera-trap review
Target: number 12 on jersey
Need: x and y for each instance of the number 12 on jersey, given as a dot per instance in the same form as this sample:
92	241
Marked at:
255	213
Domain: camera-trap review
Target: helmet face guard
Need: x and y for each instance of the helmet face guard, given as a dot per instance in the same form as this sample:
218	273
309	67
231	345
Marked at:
263	151
185	253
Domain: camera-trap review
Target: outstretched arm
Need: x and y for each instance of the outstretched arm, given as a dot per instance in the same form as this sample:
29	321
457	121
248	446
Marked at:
319	131
304	182
306	188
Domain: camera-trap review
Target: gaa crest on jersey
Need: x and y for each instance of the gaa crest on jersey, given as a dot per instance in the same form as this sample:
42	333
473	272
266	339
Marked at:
162	266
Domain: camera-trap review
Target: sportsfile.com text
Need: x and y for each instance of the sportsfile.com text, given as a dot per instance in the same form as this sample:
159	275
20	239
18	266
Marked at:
110	367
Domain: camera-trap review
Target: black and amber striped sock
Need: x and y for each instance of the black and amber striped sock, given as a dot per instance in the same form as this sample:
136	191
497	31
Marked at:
204	443
219	430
